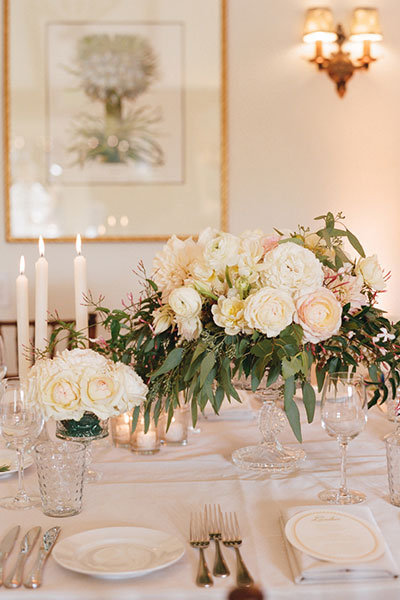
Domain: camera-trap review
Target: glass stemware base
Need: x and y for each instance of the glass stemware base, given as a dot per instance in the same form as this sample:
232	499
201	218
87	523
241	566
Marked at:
270	455
339	498
19	502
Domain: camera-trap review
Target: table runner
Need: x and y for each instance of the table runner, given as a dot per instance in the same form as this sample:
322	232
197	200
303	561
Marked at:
160	491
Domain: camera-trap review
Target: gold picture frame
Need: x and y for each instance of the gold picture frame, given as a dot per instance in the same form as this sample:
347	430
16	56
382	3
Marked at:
220	208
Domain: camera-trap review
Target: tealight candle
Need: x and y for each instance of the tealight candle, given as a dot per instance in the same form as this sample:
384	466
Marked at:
177	433
145	442
121	427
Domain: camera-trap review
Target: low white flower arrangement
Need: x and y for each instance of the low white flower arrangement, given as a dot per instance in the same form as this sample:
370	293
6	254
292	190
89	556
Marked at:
78	381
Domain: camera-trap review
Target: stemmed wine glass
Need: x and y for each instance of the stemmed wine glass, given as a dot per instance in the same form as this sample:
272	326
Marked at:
343	416
3	366
20	424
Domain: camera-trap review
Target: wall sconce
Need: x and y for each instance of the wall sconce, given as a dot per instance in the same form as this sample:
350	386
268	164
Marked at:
319	28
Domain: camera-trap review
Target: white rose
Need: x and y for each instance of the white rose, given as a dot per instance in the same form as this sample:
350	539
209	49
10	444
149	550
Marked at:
189	329
185	302
269	311
81	358
293	268
222	251
229	314
61	397
372	272
319	314
134	390
101	394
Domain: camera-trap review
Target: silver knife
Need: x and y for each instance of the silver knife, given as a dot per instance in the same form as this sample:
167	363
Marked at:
14	580
6	545
34	579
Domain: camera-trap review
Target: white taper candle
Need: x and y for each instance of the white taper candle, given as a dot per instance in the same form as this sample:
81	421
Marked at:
80	279
41	298
22	321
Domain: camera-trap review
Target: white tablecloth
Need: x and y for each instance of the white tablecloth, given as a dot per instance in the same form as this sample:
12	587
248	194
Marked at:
160	491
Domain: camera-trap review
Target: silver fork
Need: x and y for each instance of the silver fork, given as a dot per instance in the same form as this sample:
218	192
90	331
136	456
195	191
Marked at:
199	539
213	517
231	537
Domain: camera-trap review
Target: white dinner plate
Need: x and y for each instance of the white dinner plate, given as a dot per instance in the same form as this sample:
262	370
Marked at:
9	457
335	536
118	552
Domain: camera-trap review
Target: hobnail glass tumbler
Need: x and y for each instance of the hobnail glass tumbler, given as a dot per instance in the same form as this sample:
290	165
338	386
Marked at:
61	469
392	442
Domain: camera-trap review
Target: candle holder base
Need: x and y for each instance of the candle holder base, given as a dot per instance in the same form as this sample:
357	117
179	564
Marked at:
145	452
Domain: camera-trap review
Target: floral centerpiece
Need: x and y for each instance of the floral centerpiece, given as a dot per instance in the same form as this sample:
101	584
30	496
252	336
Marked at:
255	305
80	388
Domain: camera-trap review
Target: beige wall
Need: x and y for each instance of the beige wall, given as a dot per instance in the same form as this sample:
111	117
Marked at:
296	150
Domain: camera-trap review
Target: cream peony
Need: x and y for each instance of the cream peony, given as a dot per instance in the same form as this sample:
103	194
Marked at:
320	315
371	272
185	302
269	311
189	329
229	314
292	268
222	251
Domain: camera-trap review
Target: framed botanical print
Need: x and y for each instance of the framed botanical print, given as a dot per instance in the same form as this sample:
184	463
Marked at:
114	118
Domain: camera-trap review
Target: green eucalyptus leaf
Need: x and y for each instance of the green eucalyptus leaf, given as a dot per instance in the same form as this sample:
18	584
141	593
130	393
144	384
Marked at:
309	400
206	366
291	410
173	359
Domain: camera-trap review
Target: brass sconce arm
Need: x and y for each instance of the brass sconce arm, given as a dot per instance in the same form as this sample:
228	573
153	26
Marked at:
339	65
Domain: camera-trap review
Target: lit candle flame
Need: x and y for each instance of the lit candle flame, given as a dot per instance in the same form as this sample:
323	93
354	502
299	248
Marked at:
78	244
22	265
41	246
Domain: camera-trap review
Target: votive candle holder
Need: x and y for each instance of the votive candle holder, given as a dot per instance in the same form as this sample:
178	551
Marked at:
121	429
145	442
177	432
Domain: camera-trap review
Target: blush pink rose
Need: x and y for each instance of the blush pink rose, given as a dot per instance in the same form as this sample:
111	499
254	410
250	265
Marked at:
320	315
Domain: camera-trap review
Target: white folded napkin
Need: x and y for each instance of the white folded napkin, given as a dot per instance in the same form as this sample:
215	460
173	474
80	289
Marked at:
307	569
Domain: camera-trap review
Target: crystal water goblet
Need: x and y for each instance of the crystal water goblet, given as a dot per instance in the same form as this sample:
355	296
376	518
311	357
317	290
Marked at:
343	416
3	365
20	425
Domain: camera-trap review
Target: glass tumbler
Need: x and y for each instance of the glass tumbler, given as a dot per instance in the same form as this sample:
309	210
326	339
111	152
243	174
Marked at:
392	442
61	470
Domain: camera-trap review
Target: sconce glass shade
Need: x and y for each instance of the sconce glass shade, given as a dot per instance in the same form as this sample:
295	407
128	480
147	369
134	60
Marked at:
319	26
365	25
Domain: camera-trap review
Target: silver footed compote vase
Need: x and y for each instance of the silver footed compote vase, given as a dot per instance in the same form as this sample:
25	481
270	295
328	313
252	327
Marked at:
270	455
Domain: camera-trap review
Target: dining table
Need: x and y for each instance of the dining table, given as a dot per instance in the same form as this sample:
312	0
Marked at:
161	491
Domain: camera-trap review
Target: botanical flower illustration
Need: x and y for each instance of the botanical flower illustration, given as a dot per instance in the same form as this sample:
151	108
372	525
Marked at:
116	70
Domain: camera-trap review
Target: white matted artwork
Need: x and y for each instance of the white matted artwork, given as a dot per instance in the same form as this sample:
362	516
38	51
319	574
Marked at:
114	118
115	102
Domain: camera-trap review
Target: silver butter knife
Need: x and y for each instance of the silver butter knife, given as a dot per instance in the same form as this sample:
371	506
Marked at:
34	579
14	580
6	545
